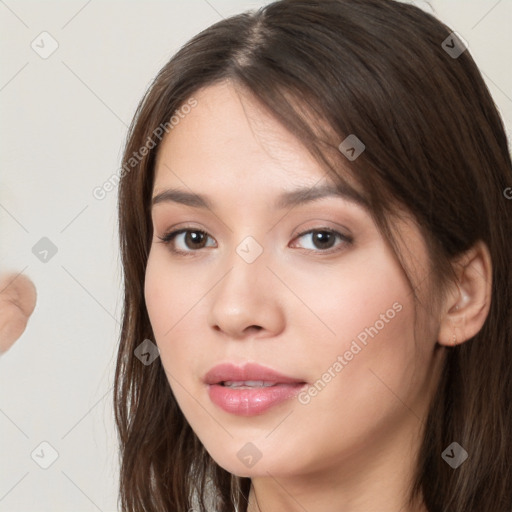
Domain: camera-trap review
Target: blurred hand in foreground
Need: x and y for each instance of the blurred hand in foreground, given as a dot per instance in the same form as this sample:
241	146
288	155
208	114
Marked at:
17	303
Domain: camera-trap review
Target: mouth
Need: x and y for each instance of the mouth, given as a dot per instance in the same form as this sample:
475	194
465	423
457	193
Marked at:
250	375
249	384
249	390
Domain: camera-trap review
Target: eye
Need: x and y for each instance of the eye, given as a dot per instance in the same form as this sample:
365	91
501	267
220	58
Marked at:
187	239
324	239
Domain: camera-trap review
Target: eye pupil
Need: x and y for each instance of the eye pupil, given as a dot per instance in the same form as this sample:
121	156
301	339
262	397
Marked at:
323	238
194	237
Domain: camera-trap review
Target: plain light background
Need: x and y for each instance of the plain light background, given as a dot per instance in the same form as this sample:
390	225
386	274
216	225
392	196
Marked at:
63	125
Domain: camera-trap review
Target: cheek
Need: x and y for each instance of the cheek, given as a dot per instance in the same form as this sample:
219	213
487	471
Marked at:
157	295
169	294
374	322
360	298
368	316
174	303
362	376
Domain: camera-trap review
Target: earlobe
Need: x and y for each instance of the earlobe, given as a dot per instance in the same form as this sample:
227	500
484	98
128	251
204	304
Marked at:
467	305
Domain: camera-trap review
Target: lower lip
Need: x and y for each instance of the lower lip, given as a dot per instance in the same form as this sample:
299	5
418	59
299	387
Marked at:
249	402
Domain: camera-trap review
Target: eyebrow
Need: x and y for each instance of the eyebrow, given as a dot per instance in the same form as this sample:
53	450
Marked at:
287	199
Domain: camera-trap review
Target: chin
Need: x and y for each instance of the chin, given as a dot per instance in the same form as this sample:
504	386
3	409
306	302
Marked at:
251	469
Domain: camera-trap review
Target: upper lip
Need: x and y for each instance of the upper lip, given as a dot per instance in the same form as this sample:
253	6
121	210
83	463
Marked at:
249	371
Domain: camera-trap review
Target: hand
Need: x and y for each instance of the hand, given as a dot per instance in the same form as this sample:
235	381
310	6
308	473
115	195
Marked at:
17	302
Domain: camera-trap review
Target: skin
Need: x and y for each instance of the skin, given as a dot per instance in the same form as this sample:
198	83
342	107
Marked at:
352	448
17	303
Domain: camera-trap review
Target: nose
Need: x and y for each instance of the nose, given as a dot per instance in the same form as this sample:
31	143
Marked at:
247	301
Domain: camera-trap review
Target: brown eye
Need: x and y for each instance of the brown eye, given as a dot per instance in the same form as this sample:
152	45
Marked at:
186	241
195	239
323	239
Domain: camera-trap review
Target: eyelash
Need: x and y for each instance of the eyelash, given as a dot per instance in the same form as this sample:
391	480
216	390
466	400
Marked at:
170	236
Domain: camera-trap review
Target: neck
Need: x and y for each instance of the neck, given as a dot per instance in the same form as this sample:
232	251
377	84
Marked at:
360	483
282	500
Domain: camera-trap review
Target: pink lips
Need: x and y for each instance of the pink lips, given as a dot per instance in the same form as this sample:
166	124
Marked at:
244	401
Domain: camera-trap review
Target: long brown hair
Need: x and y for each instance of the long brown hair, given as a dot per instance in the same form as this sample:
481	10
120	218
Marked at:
435	145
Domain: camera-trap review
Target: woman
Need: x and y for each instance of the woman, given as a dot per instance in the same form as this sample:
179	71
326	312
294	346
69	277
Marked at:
318	250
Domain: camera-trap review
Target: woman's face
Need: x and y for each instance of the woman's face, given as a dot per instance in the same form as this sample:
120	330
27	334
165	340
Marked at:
308	289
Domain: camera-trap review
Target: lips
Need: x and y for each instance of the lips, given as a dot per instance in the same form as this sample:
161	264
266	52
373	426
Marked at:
250	389
228	372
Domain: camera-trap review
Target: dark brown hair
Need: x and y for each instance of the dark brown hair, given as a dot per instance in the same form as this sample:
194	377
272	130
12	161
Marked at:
435	146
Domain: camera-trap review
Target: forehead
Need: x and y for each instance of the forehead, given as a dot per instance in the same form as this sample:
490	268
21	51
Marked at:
228	136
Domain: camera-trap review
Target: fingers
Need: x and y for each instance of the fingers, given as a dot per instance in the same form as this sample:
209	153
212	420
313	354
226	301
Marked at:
17	302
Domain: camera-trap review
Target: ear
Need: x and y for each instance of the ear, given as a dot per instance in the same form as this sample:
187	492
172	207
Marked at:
468	301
